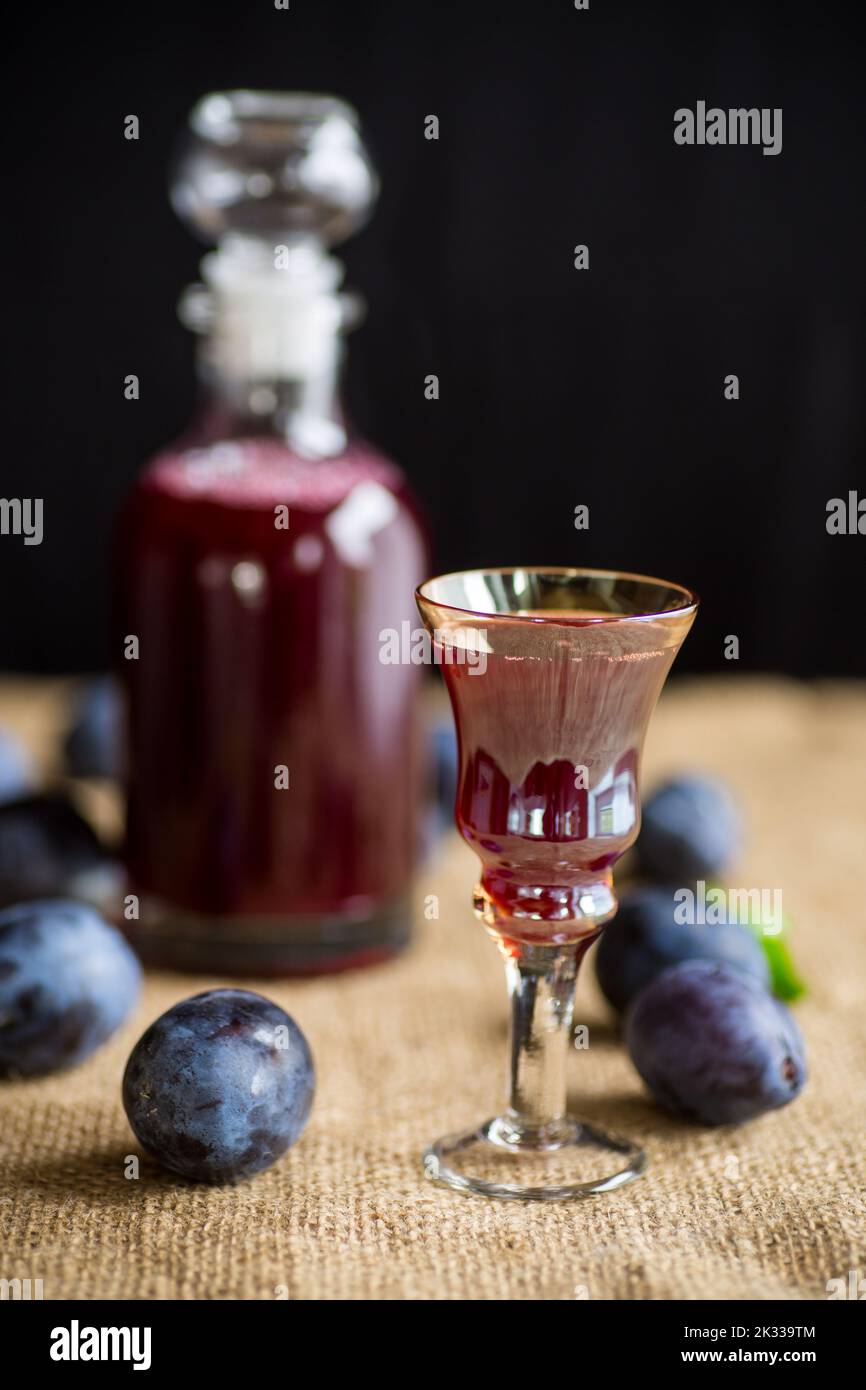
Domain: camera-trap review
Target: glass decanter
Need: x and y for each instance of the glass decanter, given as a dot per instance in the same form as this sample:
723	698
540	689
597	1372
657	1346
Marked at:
273	758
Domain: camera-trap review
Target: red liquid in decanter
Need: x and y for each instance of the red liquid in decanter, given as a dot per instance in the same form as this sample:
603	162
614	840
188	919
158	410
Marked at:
273	757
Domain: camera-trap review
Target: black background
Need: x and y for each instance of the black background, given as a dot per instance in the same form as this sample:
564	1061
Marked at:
558	387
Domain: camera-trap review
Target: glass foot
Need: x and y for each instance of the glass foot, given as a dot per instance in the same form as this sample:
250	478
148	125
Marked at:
555	1163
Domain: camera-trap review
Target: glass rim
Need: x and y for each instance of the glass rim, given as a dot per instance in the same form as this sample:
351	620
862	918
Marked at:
690	604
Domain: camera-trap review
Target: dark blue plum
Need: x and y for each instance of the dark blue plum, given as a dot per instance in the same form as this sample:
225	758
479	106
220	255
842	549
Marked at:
444	749
712	1044
438	809
67	982
690	829
48	850
94	742
16	773
644	939
220	1086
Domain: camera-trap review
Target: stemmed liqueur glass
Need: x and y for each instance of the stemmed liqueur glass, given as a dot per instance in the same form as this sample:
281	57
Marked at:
553	674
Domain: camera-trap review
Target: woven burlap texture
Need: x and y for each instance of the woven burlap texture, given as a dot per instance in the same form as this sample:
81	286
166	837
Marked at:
774	1209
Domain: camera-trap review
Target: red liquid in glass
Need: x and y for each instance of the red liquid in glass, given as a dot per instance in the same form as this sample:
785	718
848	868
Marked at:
551	735
259	649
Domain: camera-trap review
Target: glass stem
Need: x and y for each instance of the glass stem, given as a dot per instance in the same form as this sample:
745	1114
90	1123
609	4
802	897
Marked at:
541	984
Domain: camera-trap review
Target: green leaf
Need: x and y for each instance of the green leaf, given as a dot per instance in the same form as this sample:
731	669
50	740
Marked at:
785	981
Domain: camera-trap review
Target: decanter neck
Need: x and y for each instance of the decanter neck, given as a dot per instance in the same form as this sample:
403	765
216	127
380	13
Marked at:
306	415
271	320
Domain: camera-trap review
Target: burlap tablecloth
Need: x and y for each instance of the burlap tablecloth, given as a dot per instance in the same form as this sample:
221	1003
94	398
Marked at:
412	1049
